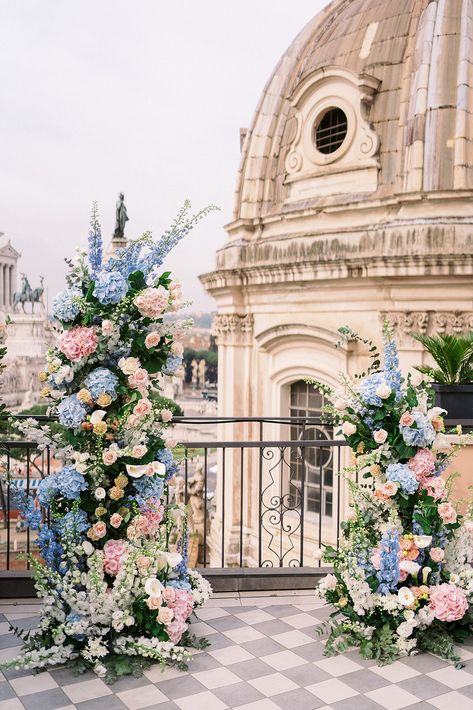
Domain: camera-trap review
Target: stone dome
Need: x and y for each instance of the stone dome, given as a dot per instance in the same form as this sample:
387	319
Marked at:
405	70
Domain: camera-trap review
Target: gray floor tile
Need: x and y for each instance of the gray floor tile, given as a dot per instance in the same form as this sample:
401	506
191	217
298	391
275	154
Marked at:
180	687
220	641
65	676
31	622
225	623
6	691
363	681
46	700
9	640
306	674
203	662
281	610
128	682
238	694
424	662
11	673
467	691
271	628
424	687
311	651
358	702
248	670
299	699
263	647
108	702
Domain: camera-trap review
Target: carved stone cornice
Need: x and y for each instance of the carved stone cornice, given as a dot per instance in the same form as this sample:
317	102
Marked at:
236	328
428	323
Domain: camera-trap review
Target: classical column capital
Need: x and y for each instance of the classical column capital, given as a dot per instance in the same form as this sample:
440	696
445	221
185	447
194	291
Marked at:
234	328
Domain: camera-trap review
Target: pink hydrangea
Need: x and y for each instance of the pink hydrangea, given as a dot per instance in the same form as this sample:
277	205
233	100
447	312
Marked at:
114	552
175	630
78	342
182	604
448	602
151	302
435	487
422	464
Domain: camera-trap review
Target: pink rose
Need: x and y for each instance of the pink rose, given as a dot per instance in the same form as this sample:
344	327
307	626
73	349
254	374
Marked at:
142	408
153	602
166	415
111	565
165	615
138	451
448	602
447	513
422	464
109	457
406	419
152	340
169	594
139	379
107	327
116	520
100	529
143	562
78	342
170	443
389	489
132	421
437	554
151	302
380	436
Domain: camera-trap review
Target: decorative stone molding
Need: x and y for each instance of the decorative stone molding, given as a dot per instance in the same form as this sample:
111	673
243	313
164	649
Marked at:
427	323
311	172
236	328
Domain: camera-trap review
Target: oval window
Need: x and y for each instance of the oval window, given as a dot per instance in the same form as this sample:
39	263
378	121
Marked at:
330	130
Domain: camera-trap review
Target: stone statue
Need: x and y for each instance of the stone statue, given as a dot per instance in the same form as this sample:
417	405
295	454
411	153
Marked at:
121	217
28	295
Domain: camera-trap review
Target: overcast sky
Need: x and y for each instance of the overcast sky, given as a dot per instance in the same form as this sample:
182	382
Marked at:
146	97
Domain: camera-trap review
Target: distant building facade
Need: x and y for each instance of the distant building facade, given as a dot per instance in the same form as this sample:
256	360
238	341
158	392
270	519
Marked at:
354	203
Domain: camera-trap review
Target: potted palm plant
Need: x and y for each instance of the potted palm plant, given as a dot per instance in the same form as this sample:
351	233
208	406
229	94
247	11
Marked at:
452	375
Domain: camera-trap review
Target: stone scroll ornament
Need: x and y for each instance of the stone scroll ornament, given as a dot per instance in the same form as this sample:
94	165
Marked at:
402	577
117	593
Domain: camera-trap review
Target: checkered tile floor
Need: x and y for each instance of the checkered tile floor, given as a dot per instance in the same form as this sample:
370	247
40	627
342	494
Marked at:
264	655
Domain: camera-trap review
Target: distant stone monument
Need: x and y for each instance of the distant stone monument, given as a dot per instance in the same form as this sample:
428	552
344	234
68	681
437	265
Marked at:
121	218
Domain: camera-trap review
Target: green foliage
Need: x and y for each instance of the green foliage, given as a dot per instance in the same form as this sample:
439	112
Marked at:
452	354
349	335
165	403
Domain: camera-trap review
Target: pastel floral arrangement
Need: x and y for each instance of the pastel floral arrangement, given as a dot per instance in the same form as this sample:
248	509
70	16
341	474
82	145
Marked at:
402	577
114	595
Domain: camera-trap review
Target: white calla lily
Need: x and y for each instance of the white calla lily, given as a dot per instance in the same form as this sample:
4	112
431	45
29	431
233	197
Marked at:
153	587
97	416
136	471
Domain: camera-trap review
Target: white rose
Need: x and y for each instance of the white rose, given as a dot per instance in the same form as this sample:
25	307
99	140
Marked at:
405	596
383	391
380	436
153	587
340	404
405	629
100	493
330	582
422	541
129	365
87	547
417	378
318	554
348	428
410	567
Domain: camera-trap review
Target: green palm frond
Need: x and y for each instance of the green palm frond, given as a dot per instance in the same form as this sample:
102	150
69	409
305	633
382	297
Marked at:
452	354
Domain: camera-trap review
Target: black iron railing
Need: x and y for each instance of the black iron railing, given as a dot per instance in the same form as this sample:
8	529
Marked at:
254	502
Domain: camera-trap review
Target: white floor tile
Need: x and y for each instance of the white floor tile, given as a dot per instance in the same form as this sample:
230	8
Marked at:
86	690
156	674
451	701
216	678
243	634
208	613
265	704
11	704
292	639
283	660
143	697
338	665
202	629
230	654
451	677
273	684
332	691
392	697
207	701
33	684
254	617
299	621
395	672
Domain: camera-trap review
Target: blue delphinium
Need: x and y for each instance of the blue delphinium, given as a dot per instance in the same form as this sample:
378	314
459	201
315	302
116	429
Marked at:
51	550
47	490
126	261
388	573
171	364
70	482
165	456
392	370
25	503
368	389
71	412
402	474
101	381
65	305
422	435
110	287
95	243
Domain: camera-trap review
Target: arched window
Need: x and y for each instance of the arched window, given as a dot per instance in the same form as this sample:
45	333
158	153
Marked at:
312	467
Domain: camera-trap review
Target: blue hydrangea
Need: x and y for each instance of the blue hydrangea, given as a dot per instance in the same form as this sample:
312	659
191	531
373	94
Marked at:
70	482
402	474
110	287
165	456
149	487
47	490
421	433
101	381
74	521
171	364
388	573
71	412
368	389
65	306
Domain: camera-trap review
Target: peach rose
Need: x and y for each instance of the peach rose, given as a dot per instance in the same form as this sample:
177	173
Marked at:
132	421
380	436
116	520
128	365
107	327
348	428
152	339
100	529
166	415
165	615
437	554
406	419
170	443
169	594
389	489
138	451
153	602
437	423
447	512
143	562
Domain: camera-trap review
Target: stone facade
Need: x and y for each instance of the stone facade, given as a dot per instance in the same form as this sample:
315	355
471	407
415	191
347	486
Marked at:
379	227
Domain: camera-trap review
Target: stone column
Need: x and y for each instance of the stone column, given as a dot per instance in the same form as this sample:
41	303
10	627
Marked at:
1	285
4	289
7	286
